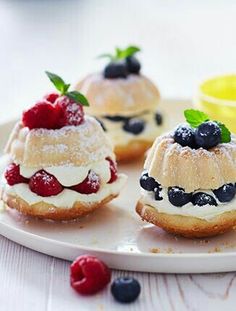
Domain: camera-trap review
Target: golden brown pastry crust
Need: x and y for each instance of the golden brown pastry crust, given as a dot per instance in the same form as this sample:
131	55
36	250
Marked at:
173	165
125	97
189	227
48	211
134	150
70	145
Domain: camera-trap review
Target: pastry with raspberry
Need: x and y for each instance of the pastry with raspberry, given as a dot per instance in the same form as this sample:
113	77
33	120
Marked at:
60	164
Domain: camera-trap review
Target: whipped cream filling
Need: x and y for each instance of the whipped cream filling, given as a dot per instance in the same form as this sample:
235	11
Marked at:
67	197
72	175
206	212
121	137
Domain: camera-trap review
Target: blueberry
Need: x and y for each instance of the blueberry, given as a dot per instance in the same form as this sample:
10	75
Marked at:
115	70
125	289
208	135
116	118
148	183
184	135
225	193
133	65
134	126
102	124
201	198
158	118
178	197
157	195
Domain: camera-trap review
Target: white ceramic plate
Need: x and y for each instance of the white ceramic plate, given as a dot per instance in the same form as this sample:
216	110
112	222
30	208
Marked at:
117	235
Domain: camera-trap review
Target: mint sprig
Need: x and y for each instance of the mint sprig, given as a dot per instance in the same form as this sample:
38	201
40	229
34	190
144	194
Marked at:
196	118
225	133
120	54
63	87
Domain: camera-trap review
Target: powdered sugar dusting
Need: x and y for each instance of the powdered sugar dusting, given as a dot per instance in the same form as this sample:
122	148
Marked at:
53	149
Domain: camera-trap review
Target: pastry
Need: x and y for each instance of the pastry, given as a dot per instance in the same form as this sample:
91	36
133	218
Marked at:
125	103
60	164
188	183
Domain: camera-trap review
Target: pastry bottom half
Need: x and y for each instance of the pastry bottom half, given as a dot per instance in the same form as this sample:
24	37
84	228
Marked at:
44	210
187	226
134	149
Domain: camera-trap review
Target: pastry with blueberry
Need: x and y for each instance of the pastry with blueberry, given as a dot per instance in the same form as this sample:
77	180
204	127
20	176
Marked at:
125	102
188	183
60	164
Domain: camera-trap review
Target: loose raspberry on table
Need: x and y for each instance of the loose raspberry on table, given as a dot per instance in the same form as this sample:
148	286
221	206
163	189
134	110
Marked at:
88	275
42	115
44	184
12	175
91	184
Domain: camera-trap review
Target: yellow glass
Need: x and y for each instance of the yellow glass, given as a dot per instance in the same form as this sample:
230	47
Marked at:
217	98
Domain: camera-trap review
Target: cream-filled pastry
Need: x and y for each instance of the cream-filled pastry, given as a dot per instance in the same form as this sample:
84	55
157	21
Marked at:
60	163
125	103
188	184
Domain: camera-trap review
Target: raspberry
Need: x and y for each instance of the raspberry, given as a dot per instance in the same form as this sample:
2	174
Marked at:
71	113
12	175
88	275
42	115
51	97
113	170
91	184
44	184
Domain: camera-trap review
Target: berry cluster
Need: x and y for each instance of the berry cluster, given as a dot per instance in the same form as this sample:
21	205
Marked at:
89	275
44	184
122	63
56	110
206	135
53	112
149	184
122	68
178	197
201	132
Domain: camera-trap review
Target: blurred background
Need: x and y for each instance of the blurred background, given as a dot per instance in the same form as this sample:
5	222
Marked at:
182	41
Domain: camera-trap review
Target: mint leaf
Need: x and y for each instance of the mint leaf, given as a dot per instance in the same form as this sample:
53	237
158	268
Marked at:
225	133
195	117
120	54
129	51
78	97
58	82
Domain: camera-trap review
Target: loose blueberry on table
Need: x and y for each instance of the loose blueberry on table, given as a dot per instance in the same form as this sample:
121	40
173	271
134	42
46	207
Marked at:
125	289
122	63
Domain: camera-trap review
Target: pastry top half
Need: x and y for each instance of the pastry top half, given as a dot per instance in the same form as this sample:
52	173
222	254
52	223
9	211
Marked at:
192	169
71	145
130	96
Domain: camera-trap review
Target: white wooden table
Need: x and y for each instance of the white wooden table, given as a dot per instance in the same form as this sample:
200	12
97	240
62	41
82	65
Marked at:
183	41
